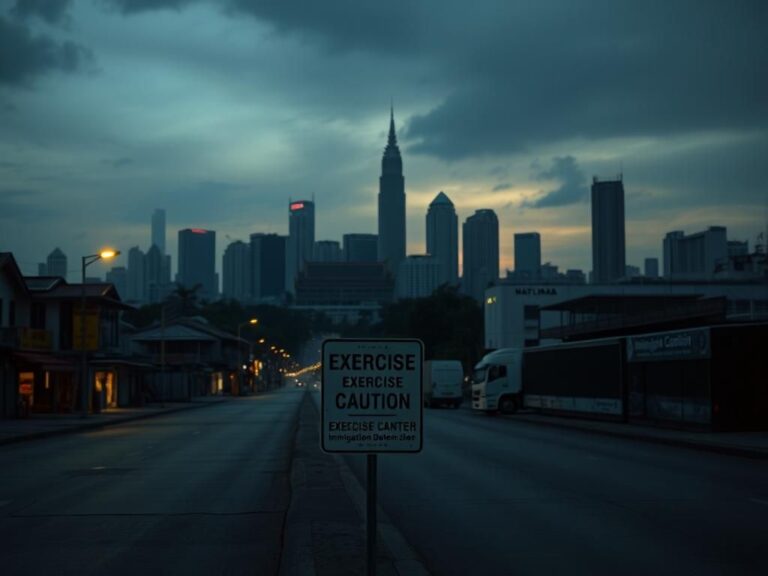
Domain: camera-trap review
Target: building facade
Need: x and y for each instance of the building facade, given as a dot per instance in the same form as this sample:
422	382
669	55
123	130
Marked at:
361	247
696	256
392	203
268	257
327	251
301	240
608	236
236	272
197	262
443	238
480	252
419	276
135	276
527	255
56	264
158	229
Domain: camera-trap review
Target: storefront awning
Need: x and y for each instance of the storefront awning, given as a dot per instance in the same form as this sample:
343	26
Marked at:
47	362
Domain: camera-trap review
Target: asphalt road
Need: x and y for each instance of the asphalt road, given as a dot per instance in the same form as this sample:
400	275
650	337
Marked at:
492	495
194	492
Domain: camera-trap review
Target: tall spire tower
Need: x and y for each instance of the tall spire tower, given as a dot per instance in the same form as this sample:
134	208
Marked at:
392	202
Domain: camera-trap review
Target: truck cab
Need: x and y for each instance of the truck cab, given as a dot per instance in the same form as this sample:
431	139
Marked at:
497	382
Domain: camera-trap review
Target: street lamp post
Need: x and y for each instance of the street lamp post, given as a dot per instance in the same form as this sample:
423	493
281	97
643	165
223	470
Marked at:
252	322
105	254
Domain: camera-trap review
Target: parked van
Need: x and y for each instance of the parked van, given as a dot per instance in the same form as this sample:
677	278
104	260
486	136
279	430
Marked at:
442	383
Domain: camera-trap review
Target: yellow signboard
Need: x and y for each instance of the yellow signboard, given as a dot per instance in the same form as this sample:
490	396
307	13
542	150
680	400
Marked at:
91	330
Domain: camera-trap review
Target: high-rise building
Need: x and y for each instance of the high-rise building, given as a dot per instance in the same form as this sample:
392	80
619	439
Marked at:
651	268
480	252
56	264
157	275
327	251
236	272
527	255
392	203
301	239
268	256
42	269
443	238
197	262
361	247
118	276
695	256
158	229
135	284
419	276
608	238
670	250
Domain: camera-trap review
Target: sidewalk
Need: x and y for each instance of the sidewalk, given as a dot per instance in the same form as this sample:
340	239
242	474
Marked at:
746	444
44	425
325	526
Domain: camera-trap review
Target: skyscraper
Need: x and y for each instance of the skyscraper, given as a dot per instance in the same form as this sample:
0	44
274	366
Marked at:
158	229
608	239
527	256
301	239
267	266
480	251
157	274
56	264
197	261
118	276
443	238
135	276
392	203
236	272
361	247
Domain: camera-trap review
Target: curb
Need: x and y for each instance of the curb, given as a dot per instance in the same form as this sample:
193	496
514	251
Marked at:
81	427
741	451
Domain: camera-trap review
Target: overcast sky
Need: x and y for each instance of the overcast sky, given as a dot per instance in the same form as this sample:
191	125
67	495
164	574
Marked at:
220	111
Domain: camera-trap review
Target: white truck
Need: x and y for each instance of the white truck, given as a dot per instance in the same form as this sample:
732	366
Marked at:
497	382
442	383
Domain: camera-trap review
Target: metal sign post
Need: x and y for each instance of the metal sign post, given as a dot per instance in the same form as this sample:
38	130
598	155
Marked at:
372	402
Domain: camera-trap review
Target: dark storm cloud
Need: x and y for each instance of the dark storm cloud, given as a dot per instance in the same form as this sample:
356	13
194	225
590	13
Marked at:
640	69
52	11
573	184
136	6
24	57
501	187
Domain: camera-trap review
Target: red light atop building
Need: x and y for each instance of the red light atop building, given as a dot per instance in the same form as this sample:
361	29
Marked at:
297	206
198	231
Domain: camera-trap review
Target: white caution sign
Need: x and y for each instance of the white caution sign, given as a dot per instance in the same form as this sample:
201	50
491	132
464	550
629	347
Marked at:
372	396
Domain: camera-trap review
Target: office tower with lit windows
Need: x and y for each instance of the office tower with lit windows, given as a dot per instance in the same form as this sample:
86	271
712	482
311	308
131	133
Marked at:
197	262
608	238
480	252
443	238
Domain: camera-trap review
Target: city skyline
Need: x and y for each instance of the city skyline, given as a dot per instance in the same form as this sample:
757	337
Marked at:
129	114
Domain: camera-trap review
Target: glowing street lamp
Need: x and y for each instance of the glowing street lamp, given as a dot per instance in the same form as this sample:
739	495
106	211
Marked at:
105	254
251	322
